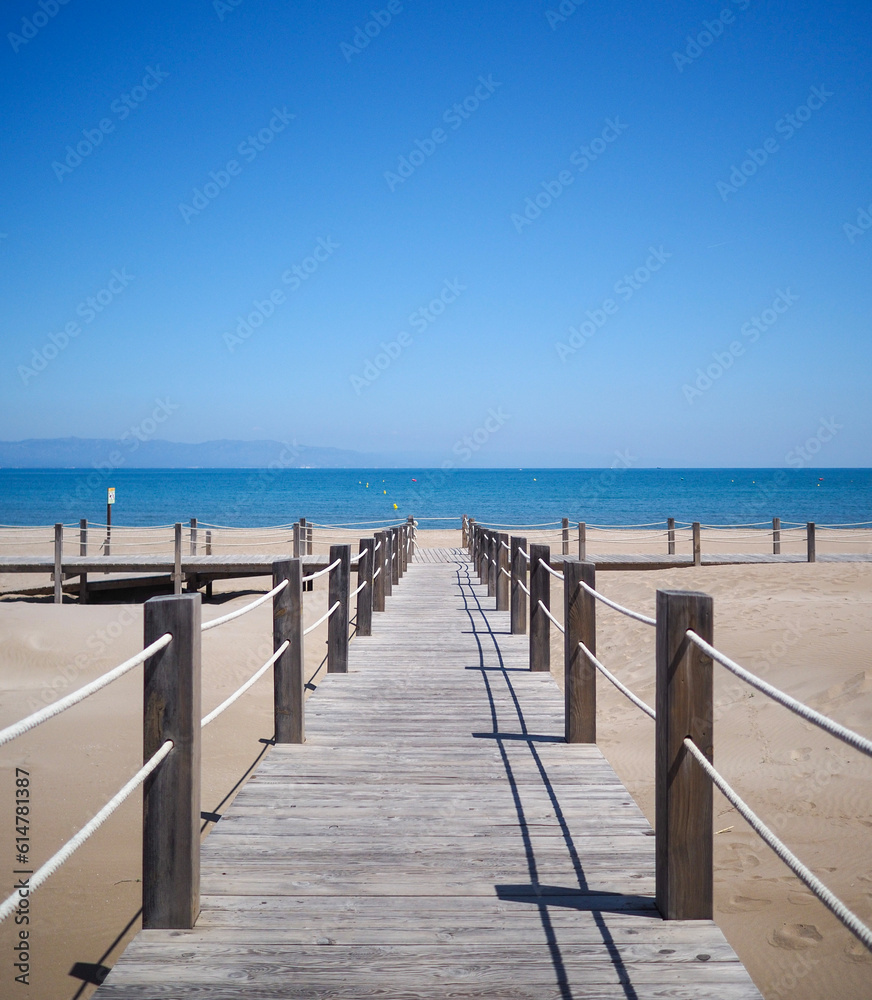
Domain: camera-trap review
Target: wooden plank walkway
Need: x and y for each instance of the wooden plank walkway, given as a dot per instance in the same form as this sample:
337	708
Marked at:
434	837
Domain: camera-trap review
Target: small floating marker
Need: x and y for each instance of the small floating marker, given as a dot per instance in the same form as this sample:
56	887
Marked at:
414	480
384	491
395	507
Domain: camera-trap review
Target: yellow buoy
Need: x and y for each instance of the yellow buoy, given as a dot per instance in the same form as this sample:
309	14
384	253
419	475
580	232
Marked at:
395	507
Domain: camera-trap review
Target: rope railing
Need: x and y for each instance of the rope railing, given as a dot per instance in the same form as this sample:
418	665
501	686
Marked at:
75	842
634	698
553	619
638	616
824	722
553	572
50	711
321	572
215	622
322	619
357	590
803	873
240	691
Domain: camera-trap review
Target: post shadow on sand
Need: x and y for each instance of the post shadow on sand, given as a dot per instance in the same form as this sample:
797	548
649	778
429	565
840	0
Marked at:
542	896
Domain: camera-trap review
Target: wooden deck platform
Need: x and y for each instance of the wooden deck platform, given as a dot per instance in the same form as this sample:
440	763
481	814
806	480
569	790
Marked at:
434	837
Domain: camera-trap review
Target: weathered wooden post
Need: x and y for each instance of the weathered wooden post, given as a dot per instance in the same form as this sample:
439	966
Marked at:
470	535
288	676
776	536
337	624
502	569
579	622
208	553
177	559
492	553
540	623
193	536
83	551
378	572
364	578
171	793
310	537
58	564
810	541
683	791
297	547
387	554
413	537
670	536
697	545
582	541
517	597
464	537
396	545
402	549
564	537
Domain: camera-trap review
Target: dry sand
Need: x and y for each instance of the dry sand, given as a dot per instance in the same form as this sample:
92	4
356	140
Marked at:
806	628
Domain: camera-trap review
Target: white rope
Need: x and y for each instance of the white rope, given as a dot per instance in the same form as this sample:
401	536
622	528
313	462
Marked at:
504	546
321	572
243	611
521	585
547	612
553	572
505	572
374	575
354	593
213	715
323	618
32	721
853	739
74	843
804	874
523	553
638	616
621	687
377	547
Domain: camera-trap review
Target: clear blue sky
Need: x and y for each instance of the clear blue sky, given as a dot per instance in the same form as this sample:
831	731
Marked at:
594	101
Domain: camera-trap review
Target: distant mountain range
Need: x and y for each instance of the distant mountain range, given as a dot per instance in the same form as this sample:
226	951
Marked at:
88	453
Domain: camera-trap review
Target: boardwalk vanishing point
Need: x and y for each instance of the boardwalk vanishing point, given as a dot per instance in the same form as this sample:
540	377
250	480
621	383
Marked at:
433	837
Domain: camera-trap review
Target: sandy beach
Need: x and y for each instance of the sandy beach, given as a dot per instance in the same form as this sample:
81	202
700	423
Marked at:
804	627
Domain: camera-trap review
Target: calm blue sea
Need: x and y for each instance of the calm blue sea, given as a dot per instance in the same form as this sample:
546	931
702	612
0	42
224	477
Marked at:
247	497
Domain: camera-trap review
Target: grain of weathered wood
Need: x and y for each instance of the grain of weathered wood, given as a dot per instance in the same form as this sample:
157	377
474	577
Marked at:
579	683
517	597
810	541
363	622
776	536
338	589
540	623
171	794
288	672
683	792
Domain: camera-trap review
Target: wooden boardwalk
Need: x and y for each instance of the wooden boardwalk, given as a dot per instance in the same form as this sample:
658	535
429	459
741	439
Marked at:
434	837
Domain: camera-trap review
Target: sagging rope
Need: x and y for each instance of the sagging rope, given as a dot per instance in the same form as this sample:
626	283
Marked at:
635	699
834	728
638	616
548	613
321	572
74	843
213	715
243	611
804	874
354	593
37	718
553	572
323	618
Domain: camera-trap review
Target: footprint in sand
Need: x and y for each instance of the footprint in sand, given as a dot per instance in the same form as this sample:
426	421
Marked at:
744	904
795	937
857	952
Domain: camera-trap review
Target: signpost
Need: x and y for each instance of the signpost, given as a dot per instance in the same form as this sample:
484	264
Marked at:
110	499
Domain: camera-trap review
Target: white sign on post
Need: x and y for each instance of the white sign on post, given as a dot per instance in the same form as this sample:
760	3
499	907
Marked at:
110	494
